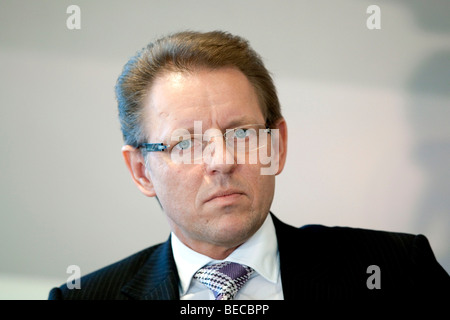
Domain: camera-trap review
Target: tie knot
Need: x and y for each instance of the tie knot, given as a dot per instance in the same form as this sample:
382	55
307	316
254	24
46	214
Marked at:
224	279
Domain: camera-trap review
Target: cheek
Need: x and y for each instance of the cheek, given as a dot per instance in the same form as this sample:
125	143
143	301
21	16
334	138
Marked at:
262	186
175	187
266	185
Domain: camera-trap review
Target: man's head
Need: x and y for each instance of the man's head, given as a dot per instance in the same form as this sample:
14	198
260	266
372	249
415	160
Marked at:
217	80
184	52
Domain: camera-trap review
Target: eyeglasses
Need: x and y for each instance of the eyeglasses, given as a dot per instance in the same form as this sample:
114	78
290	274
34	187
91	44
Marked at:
192	148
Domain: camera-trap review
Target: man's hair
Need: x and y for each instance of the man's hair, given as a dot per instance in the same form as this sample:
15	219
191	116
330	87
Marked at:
186	52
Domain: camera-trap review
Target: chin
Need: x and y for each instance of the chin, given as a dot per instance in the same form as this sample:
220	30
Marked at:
234	229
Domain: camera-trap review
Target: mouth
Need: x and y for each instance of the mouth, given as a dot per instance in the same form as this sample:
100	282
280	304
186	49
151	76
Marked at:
225	195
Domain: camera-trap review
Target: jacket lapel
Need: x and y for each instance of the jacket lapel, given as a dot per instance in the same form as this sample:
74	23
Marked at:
303	269
157	279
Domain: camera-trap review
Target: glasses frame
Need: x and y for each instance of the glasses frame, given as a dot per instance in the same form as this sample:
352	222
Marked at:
160	146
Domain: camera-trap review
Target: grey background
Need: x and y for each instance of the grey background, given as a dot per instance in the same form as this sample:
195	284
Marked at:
367	112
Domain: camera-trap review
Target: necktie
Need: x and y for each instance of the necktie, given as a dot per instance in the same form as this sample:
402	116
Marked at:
224	279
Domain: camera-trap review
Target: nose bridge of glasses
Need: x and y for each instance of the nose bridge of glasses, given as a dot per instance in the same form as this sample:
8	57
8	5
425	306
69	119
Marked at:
212	147
212	136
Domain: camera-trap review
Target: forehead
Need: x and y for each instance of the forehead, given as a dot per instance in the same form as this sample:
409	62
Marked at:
218	98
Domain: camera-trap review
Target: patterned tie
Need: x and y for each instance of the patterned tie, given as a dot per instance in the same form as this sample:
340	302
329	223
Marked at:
224	279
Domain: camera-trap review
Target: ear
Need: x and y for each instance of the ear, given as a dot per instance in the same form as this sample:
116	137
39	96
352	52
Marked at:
136	165
283	136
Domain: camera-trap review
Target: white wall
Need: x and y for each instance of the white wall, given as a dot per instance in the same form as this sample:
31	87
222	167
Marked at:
367	110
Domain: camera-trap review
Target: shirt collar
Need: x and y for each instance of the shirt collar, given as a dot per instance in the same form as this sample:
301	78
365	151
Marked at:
260	252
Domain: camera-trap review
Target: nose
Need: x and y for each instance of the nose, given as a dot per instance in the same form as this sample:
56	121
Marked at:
218	158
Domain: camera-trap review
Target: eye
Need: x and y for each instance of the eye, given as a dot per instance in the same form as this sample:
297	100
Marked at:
184	144
241	133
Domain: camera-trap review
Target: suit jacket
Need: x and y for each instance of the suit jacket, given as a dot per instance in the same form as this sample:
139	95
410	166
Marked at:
317	263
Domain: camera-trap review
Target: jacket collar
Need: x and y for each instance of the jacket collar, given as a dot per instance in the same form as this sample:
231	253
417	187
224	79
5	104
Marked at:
302	262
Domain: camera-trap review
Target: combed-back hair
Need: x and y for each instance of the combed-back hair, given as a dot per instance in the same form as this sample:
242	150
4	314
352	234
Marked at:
185	52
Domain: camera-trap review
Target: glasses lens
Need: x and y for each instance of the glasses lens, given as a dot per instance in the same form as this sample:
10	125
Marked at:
241	141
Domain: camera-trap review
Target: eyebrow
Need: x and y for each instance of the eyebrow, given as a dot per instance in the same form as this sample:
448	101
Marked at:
241	121
230	125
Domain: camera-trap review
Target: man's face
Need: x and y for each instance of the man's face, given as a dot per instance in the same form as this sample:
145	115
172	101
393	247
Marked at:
216	203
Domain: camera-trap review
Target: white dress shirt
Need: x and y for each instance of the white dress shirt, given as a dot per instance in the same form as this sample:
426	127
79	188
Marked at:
260	252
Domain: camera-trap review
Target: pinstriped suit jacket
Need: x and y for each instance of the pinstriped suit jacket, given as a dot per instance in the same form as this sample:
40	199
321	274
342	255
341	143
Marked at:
317	263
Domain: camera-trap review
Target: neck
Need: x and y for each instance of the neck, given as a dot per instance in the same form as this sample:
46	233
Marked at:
212	250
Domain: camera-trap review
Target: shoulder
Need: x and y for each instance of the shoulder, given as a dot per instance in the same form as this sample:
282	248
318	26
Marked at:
366	239
396	249
405	262
352	244
345	238
371	243
106	283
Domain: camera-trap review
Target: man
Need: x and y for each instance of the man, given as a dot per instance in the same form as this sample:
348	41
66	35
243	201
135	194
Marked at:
204	134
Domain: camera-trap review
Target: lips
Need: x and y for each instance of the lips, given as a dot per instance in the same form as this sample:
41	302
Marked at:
223	194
